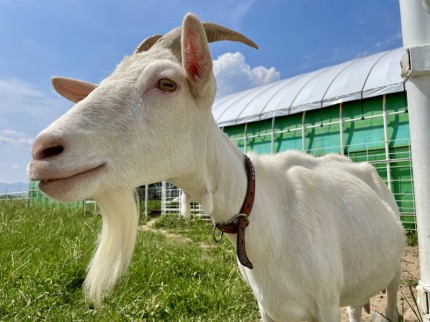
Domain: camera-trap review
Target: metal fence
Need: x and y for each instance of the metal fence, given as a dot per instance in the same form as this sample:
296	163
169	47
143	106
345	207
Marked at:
171	201
16	195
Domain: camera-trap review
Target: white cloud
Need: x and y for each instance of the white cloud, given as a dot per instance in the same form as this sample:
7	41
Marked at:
233	74
15	167
14	137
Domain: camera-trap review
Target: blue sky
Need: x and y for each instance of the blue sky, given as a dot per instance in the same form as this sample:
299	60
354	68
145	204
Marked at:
86	39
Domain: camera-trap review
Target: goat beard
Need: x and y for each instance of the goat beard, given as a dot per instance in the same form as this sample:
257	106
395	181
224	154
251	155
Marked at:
116	242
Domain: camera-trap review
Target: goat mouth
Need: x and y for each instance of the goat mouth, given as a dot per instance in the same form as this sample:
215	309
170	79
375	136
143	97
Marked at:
54	185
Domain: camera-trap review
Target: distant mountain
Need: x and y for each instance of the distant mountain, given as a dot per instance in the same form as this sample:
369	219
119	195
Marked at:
13	187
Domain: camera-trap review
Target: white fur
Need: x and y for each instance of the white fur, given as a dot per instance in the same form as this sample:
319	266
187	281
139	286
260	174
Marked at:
323	232
116	245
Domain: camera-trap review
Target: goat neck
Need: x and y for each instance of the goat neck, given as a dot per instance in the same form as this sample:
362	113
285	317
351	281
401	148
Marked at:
220	182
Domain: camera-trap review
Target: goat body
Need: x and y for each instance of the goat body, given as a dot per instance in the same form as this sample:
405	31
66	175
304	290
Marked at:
325	237
323	233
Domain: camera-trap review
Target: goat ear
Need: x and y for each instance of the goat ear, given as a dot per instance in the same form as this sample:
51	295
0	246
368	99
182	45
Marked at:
196	58
72	89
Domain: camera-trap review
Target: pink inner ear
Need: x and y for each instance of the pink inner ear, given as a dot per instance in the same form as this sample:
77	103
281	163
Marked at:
195	55
194	69
193	62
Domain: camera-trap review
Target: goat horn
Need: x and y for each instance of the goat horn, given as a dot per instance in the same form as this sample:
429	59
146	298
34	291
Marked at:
214	32
146	44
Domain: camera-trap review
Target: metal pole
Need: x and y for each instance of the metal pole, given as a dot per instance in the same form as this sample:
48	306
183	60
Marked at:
146	201
29	194
272	146
303	132
416	67
386	140
342	147
245	138
163	198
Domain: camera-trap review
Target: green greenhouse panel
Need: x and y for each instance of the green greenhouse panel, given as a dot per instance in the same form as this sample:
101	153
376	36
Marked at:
322	131
236	133
398	123
402	180
288	134
261	128
290	140
259	136
398	130
361	137
362	109
396	102
363	130
376	157
409	221
260	145
323	139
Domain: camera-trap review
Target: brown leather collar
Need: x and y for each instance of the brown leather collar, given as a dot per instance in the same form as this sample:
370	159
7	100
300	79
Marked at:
238	223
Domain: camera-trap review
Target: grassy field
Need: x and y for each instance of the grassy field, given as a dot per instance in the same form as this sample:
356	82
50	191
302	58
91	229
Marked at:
177	272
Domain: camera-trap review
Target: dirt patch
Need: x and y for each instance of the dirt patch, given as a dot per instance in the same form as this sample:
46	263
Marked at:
174	237
149	226
410	275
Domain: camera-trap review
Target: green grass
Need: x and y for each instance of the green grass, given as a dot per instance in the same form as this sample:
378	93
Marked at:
177	272
412	238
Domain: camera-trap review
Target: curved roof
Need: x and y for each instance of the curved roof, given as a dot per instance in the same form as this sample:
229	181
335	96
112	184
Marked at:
374	75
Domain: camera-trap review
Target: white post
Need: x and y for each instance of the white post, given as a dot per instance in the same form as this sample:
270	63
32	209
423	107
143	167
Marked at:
342	147
146	201
303	131
245	139
272	138
28	194
386	140
416	67
163	197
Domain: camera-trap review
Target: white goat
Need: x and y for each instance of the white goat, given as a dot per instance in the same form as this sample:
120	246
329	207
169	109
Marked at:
323	232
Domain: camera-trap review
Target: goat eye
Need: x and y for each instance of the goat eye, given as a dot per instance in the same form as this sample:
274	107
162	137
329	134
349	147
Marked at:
167	85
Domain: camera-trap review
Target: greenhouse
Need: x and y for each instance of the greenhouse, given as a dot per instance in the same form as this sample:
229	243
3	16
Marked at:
357	108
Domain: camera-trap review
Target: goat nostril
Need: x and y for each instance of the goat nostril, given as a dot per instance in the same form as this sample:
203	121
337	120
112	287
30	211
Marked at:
48	152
